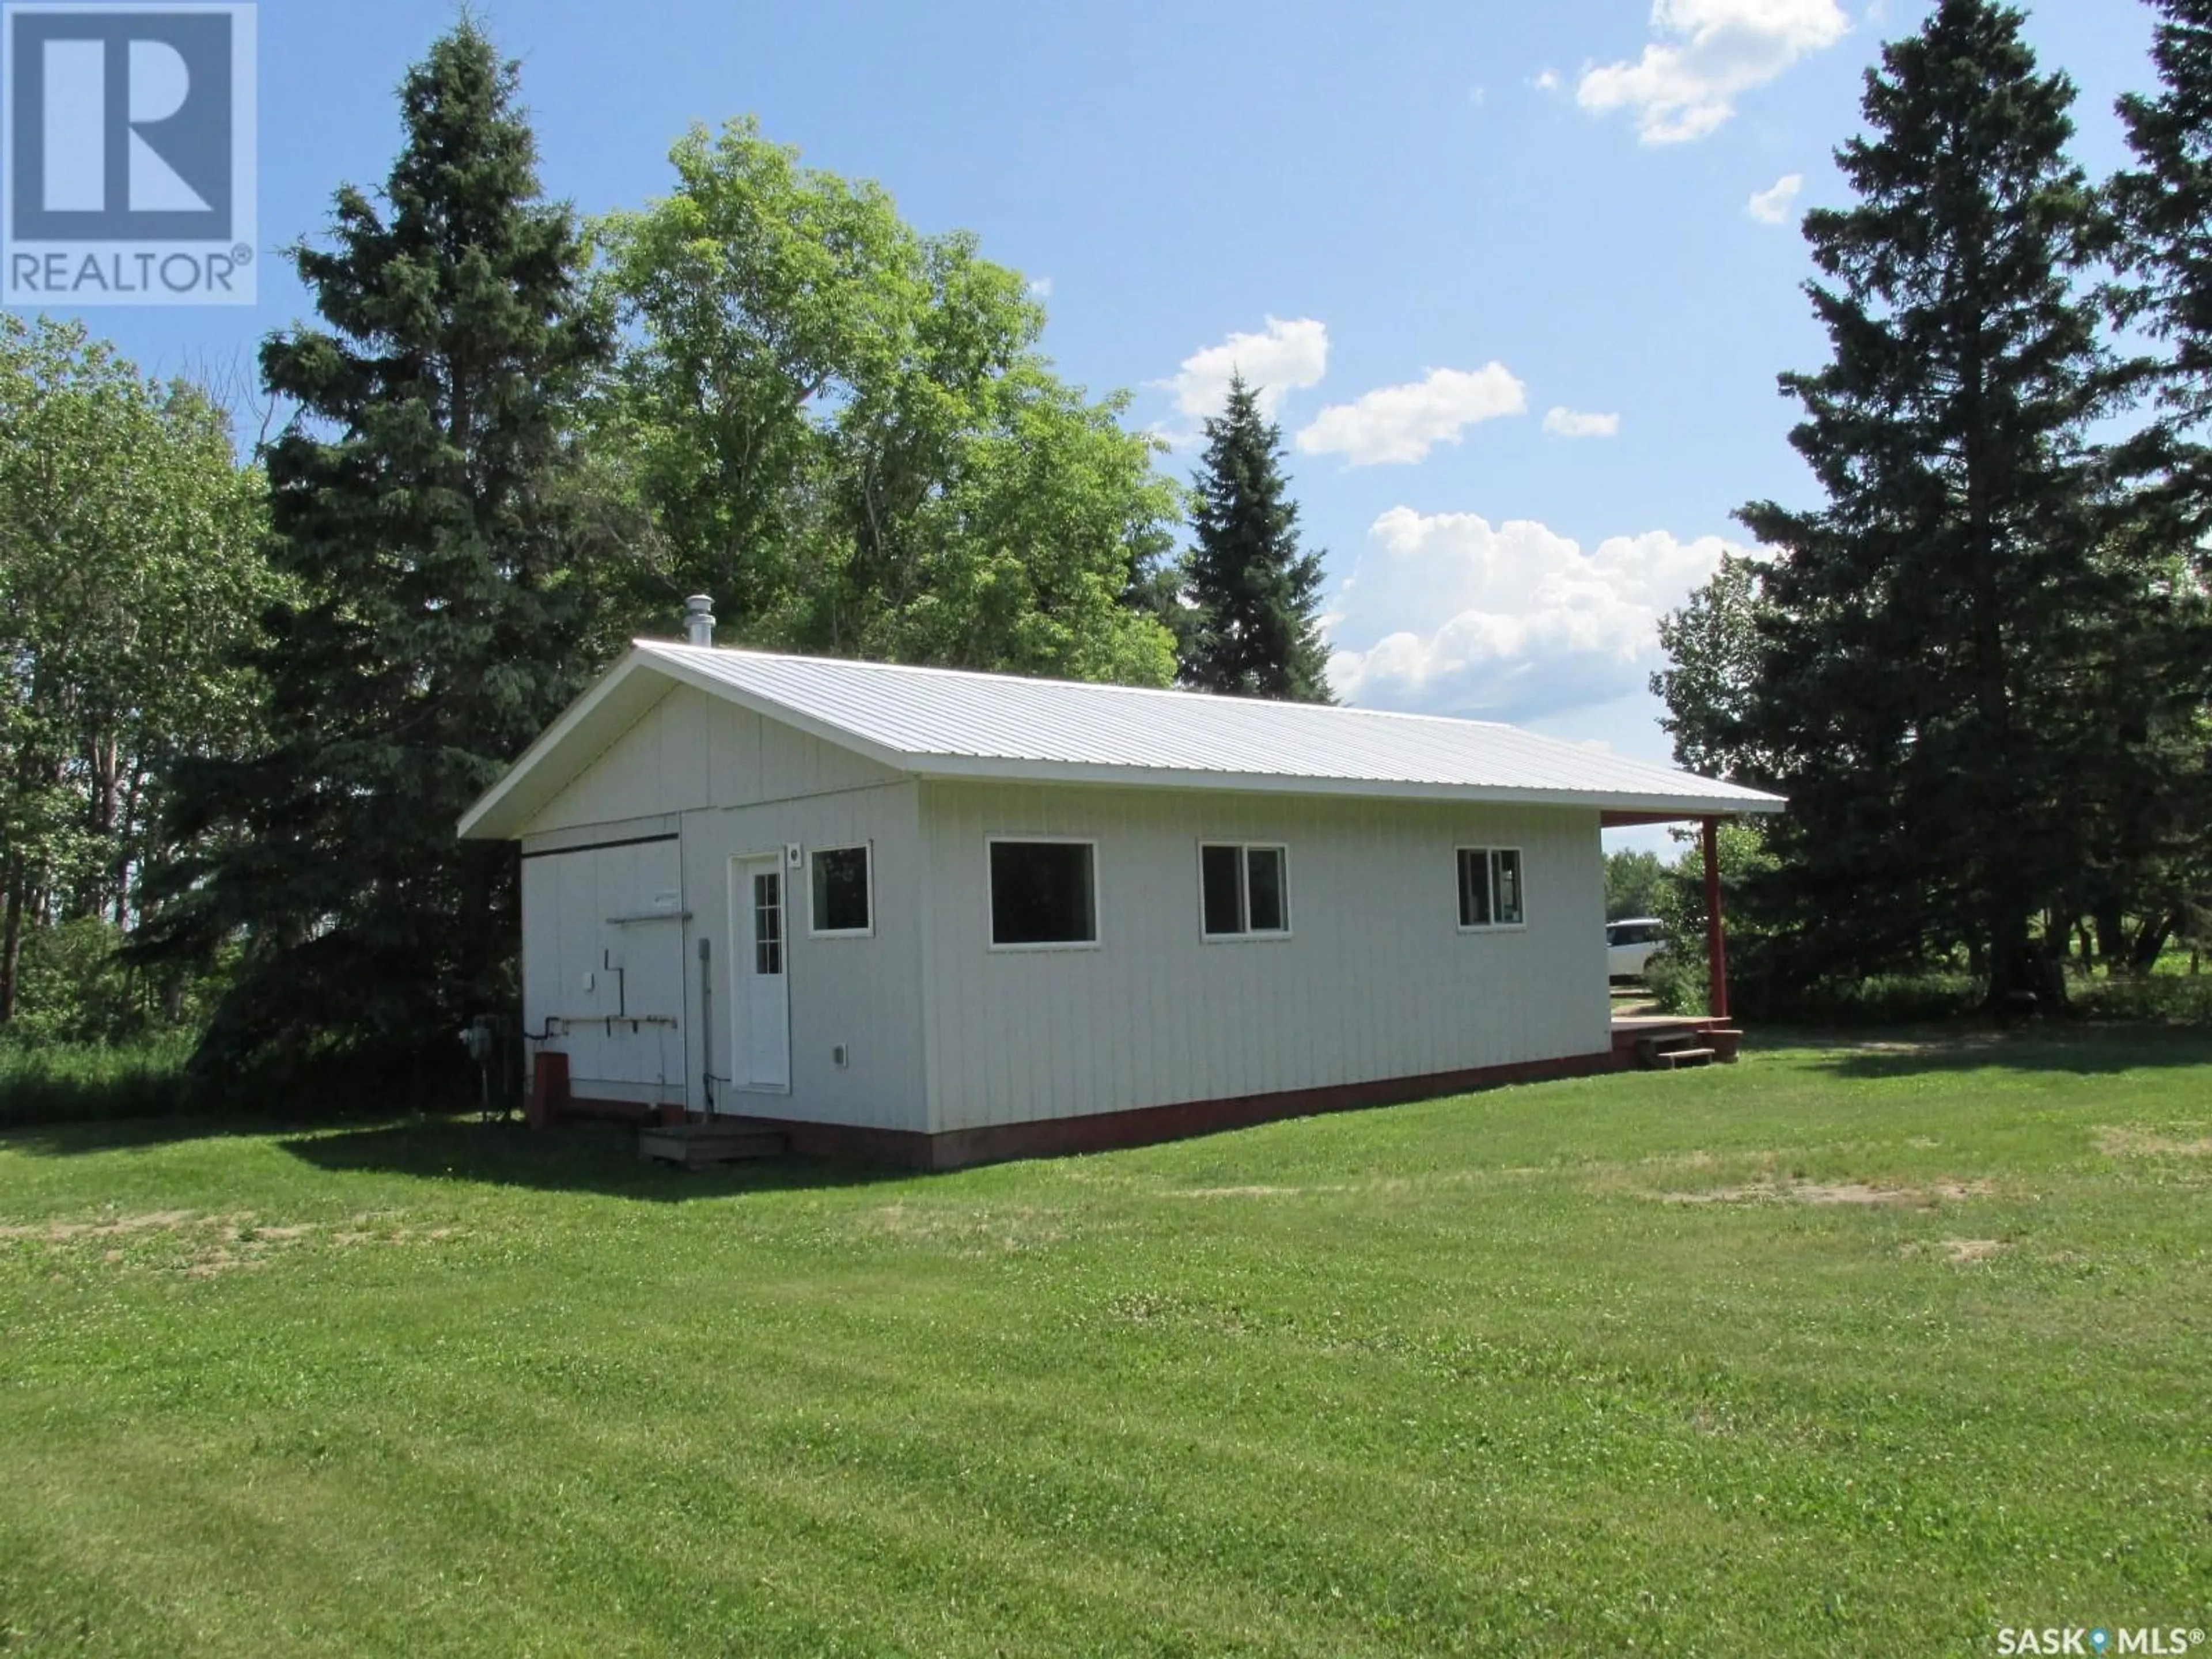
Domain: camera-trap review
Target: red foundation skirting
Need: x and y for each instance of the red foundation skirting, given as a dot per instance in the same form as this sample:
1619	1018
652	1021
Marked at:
1144	1126
1106	1131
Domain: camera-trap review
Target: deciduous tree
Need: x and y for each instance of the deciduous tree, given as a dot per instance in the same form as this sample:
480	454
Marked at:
1713	652
845	432
130	569
1633	881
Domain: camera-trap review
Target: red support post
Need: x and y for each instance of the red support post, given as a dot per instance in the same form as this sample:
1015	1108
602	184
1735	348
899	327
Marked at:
1716	937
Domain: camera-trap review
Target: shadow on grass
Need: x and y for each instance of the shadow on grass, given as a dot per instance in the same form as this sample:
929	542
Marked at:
596	1159
109	1135
2081	1050
63	1115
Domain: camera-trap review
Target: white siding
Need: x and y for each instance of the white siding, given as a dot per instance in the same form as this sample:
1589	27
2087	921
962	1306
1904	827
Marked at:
1377	979
865	993
693	750
729	783
581	964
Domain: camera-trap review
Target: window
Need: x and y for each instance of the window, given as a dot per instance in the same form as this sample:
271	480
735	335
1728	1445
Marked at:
842	901
767	926
1490	887
1043	892
1244	892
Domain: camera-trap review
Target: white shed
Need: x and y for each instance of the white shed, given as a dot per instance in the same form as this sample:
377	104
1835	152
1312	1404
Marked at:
942	917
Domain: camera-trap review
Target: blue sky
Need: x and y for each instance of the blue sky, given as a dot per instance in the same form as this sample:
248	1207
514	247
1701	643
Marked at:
1424	227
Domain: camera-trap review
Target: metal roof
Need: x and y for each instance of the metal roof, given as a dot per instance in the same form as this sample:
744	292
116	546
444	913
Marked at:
947	723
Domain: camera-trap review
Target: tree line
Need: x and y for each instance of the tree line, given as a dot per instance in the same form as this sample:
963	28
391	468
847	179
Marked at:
1980	666
244	700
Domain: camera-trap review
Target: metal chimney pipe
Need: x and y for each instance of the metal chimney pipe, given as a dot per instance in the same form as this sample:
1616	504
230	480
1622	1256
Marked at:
699	619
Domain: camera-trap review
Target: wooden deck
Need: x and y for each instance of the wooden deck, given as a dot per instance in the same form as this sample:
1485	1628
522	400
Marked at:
695	1145
1655	1042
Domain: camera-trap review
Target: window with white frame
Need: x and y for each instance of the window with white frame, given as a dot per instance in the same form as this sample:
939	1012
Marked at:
1244	891
1490	887
844	902
1043	893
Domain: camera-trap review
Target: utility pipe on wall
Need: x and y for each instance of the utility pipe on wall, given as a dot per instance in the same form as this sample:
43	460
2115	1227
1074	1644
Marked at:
707	1023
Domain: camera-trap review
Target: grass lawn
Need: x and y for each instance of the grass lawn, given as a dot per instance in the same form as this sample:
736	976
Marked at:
1849	1349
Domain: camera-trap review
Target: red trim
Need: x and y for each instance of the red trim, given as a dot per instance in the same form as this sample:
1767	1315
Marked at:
1106	1131
1144	1126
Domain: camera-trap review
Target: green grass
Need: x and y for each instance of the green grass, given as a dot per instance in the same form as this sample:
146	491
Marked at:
1573	1368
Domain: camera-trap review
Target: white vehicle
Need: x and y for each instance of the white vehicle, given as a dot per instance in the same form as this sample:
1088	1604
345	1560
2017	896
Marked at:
1630	943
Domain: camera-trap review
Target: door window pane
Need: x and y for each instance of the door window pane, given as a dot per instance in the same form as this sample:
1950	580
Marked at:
1270	899
768	924
841	891
1221	869
1043	893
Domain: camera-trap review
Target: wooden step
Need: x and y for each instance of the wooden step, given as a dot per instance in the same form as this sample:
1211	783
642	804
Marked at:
1670	1059
696	1145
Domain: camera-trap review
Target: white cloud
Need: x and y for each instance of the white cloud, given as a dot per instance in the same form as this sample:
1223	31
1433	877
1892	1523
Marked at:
1707	53
1547	81
1575	423
1284	357
1511	621
1771	207
1403	423
1041	289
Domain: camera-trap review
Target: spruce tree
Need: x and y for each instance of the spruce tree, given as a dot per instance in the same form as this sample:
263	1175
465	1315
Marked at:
1929	631
1255	596
2153	867
2166	204
441	619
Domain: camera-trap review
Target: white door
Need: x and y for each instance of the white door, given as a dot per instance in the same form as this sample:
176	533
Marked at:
603	943
761	998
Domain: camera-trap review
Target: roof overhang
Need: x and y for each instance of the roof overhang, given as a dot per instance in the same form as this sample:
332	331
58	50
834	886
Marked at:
625	693
593	724
1614	818
1630	808
587	729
